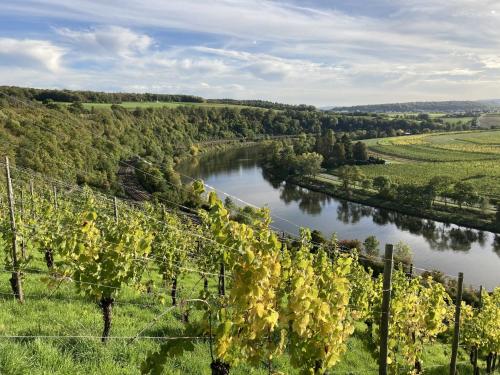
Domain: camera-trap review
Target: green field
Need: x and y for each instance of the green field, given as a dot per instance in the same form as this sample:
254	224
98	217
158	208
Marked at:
133	105
457	120
433	115
473	156
414	114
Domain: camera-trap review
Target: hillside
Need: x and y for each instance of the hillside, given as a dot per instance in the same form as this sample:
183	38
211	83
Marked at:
100	98
444	106
93	140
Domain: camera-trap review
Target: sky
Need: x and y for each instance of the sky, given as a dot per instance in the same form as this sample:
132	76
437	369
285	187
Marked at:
316	52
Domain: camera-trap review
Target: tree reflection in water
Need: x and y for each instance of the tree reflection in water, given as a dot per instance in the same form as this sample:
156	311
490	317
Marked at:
439	236
496	245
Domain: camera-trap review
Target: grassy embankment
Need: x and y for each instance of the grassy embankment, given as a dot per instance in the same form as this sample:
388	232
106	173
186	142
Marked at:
472	156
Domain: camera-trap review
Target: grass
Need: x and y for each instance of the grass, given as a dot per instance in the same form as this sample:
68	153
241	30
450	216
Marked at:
134	105
61	312
457	120
415	114
472	156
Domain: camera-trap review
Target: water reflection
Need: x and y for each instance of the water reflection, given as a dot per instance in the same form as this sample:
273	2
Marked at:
238	172
216	163
496	245
308	201
439	236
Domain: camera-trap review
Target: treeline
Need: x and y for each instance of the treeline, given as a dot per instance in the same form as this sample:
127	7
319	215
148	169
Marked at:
264	104
443	189
90	146
70	96
308	154
94	96
441	106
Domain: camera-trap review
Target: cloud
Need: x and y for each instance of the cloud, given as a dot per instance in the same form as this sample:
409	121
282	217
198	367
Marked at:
313	51
107	40
30	53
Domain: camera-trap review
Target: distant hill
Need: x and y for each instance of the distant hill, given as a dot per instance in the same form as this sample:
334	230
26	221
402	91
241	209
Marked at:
97	97
445	106
494	102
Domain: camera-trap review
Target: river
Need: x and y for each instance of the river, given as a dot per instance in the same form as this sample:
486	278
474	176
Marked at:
448	248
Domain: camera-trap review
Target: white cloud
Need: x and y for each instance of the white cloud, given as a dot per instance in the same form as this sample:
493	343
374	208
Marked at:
278	50
109	40
30	53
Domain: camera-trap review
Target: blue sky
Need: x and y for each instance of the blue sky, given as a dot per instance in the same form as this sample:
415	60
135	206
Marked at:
311	51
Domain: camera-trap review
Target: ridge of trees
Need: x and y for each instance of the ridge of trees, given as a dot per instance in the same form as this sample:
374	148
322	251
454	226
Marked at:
95	96
431	106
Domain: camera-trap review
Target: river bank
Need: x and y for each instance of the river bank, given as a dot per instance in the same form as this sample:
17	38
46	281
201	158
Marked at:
464	217
449	248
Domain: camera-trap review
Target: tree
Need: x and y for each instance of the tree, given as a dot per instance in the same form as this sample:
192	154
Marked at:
317	237
464	193
371	245
412	195
338	153
349	176
308	163
440	186
403	253
383	186
346	141
360	151
326	143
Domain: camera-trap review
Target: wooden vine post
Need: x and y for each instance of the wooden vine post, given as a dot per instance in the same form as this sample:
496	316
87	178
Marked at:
386	309
23	240
55	196
475	352
222	277
456	332
15	280
115	206
32	196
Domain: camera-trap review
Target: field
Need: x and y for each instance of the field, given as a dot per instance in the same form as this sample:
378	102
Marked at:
457	120
472	156
133	105
490	120
433	115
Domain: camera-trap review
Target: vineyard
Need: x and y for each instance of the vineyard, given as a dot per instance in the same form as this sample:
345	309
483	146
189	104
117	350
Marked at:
467	156
92	284
489	120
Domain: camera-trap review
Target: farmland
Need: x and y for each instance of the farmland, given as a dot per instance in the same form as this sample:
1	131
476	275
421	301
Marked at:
490	120
467	156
